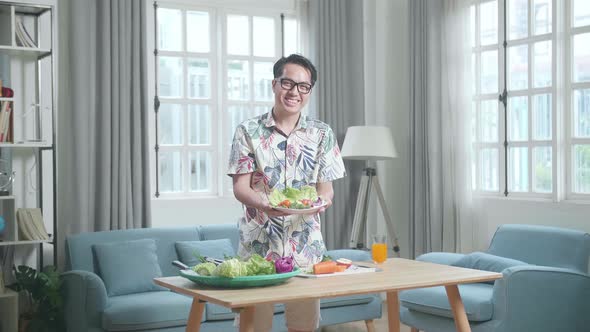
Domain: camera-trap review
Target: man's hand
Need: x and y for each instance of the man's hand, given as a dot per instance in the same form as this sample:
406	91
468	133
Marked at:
328	204
326	193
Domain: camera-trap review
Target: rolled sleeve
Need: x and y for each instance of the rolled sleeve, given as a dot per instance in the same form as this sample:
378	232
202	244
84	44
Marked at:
330	161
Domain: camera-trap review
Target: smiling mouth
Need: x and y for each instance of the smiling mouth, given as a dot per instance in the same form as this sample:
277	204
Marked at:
291	101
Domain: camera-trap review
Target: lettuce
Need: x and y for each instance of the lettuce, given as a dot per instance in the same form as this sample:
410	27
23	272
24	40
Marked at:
204	269
293	195
231	268
257	265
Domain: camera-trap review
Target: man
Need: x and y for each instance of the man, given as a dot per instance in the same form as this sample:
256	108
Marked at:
277	150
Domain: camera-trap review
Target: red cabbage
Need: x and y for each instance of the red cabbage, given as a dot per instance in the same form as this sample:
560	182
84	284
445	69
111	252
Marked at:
284	264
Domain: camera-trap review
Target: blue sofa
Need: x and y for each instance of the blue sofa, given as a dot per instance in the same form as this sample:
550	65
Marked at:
545	285
93	304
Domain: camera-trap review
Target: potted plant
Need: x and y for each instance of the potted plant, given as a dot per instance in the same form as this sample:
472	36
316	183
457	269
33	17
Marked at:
43	303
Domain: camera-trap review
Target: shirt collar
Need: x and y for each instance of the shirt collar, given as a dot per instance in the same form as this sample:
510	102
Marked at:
269	121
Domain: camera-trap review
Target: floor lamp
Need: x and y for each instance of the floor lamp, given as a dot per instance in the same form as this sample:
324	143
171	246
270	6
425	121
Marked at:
369	143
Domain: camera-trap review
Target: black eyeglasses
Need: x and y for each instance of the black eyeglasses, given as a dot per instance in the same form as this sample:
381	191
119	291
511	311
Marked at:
289	84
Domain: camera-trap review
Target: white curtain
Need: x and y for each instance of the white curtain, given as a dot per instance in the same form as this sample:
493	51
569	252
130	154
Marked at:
440	139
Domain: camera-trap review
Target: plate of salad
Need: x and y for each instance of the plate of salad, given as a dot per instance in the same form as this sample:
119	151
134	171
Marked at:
233	273
296	201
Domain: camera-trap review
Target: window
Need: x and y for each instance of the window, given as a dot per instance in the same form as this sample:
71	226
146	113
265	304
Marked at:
213	70
531	111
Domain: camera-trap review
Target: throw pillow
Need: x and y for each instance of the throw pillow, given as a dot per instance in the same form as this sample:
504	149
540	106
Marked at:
189	251
128	267
487	262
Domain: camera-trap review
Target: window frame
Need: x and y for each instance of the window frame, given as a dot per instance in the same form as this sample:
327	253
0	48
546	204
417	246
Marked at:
561	91
217	56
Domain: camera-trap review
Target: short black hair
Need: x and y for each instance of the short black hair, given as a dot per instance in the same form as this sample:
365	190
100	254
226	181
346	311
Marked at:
298	60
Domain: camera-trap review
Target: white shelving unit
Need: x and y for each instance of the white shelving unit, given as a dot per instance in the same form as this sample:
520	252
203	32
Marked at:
28	67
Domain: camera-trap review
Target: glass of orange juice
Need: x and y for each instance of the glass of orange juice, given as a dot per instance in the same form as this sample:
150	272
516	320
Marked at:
379	248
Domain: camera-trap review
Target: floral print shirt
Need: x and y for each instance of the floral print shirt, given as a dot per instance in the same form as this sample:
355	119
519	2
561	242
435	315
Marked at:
309	155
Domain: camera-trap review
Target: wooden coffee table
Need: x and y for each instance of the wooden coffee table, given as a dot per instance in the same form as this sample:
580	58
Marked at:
398	274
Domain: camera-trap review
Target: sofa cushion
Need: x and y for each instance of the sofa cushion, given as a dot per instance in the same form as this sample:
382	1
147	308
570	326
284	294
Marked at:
131	272
346	300
189	251
143	311
215	312
477	299
487	262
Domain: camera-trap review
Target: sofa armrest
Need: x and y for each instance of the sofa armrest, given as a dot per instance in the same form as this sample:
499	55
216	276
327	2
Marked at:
352	254
541	298
446	258
85	297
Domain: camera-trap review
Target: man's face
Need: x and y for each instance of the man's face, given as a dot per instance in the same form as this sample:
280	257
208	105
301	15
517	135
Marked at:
291	100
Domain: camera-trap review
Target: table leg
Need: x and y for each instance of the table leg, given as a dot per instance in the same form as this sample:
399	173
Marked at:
393	312
459	314
194	317
247	319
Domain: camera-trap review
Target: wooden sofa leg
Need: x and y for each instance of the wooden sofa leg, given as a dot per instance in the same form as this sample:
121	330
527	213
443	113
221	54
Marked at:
370	325
413	329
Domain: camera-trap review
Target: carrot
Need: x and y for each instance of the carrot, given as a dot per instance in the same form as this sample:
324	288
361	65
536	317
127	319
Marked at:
324	267
341	268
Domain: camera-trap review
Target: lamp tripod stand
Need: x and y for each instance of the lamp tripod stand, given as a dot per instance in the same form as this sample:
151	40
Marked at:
368	180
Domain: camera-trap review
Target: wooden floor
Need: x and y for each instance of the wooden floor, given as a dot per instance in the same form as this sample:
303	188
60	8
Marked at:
380	325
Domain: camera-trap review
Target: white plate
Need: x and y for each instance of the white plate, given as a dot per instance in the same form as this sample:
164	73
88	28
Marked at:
301	211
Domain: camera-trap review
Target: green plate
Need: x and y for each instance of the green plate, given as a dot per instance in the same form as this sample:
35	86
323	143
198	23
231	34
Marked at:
239	282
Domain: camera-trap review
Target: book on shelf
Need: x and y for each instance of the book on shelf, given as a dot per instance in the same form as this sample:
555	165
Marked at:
30	224
22	35
6	120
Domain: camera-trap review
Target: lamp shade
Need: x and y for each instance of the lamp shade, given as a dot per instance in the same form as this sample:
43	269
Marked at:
368	143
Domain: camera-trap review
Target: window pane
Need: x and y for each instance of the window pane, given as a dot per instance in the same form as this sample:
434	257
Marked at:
291	36
581	169
542	64
263	34
171	129
489	23
518	68
581	61
238	80
170	77
518	119
199	82
169	29
170	171
472	25
489	72
543	19
238	35
542	117
542	175
474	86
517	19
581	11
518	169
199	124
489	169
581	120
489	121
197	35
474	134
263	77
200	163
